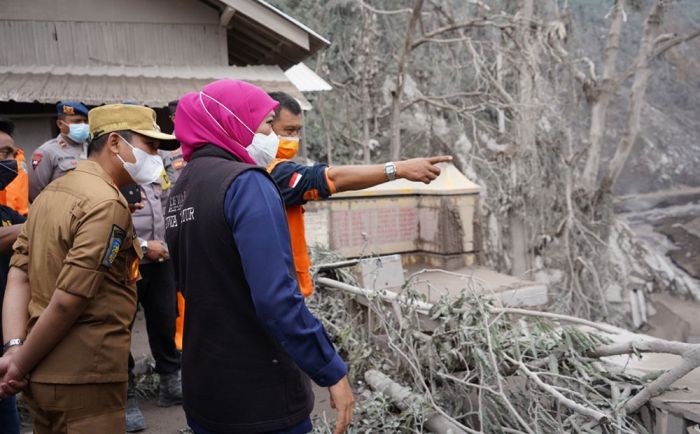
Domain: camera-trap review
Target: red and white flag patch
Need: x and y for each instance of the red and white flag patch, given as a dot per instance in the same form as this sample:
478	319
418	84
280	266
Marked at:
36	159
294	180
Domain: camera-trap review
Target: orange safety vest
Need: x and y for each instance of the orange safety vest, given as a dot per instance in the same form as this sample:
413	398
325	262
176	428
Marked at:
295	221
16	194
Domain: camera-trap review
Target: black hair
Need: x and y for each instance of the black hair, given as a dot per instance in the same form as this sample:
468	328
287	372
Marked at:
97	143
7	126
287	102
172	107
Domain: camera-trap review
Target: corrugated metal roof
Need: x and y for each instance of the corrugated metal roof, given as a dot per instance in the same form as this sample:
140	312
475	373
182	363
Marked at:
305	79
153	86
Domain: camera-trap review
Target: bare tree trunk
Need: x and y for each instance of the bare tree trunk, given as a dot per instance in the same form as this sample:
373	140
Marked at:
366	84
602	96
367	118
525	131
326	130
639	87
400	81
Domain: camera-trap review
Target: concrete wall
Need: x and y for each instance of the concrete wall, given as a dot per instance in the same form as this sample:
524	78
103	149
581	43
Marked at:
438	228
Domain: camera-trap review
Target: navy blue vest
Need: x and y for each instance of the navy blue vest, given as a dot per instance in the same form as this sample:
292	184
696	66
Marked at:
236	378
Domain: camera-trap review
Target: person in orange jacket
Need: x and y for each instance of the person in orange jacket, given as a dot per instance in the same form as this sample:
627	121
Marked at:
16	194
300	184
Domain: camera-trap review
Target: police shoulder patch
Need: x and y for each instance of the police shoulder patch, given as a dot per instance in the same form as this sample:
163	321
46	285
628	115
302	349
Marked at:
36	159
115	242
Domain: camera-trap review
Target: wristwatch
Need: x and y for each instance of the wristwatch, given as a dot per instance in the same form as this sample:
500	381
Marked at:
390	170
11	343
144	246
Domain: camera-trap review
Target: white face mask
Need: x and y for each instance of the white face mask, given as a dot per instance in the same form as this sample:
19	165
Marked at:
146	169
262	149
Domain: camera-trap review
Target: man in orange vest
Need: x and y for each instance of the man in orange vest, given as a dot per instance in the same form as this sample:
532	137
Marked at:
16	194
299	184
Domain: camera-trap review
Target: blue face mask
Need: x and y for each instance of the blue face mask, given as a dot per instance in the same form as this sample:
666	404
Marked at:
78	132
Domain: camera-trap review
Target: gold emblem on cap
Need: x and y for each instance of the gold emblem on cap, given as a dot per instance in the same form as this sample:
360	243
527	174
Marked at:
68	110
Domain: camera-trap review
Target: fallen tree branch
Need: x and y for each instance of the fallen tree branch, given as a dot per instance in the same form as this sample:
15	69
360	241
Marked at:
643	346
689	352
558	317
403	398
420	306
339	264
578	408
691	361
423	307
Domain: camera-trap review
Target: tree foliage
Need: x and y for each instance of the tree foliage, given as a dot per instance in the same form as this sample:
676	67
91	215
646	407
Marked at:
523	102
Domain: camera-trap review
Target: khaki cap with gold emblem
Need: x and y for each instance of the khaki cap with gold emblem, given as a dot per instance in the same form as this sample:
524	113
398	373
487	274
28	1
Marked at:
136	118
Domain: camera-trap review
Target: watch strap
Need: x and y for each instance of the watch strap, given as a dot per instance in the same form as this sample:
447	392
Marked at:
11	343
390	170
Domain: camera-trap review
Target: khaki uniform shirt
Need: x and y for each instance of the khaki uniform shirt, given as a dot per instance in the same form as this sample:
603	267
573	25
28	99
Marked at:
79	238
52	160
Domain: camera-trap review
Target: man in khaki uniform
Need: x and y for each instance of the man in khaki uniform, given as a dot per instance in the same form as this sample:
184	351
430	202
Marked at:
71	292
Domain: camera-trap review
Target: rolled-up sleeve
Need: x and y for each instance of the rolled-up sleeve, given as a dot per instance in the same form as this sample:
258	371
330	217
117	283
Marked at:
100	234
20	255
299	184
256	216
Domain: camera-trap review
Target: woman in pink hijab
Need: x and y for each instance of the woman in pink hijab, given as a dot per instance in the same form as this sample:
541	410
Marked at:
232	115
250	344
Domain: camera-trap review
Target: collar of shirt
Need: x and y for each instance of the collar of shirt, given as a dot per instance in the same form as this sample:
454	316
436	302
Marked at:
64	141
94	168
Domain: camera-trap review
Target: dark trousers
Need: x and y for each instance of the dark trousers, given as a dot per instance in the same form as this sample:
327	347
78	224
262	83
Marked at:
9	417
301	428
157	296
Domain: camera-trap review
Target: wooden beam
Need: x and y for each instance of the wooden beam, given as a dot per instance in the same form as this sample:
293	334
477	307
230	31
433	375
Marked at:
278	24
226	16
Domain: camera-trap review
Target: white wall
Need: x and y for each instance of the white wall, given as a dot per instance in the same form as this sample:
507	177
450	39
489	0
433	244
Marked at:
104	44
31	132
133	11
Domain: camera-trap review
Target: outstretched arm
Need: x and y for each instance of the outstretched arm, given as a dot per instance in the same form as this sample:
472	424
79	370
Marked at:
358	177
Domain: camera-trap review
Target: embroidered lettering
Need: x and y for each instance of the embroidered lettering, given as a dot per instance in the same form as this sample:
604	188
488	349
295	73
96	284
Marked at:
187	215
170	221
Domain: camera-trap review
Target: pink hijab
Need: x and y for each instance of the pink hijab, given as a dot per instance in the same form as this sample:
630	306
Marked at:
194	127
